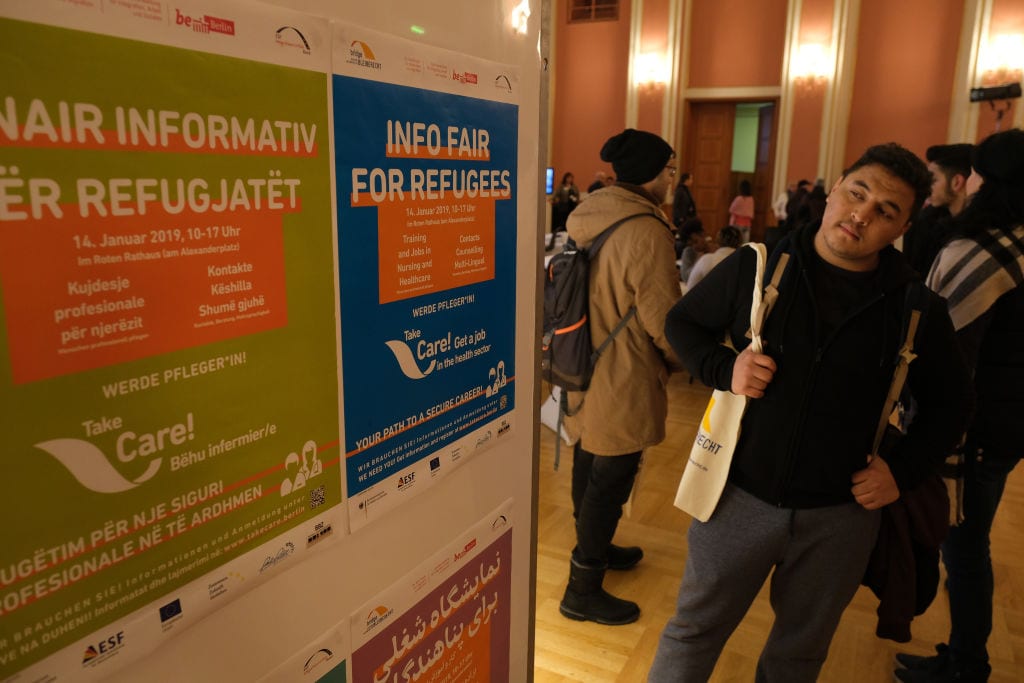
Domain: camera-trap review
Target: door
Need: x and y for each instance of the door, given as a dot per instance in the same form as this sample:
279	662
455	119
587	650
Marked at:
709	141
709	158
763	172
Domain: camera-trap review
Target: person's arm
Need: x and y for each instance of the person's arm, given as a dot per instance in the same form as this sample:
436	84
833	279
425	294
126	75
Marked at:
696	324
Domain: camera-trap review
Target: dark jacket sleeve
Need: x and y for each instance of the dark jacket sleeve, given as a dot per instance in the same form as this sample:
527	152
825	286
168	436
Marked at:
698	323
941	384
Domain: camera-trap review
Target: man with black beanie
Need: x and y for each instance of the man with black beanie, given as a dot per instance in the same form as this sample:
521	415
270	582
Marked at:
633	276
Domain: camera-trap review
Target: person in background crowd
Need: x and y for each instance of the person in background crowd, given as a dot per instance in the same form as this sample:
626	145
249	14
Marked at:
728	241
691	244
600	180
626	404
813	207
796	203
804	494
779	205
741	211
564	201
683	208
951	167
980	273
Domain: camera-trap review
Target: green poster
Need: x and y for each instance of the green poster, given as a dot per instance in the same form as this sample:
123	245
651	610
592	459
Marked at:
168	356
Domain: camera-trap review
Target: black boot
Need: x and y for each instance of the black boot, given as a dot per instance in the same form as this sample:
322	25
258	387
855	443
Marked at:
942	667
624	558
585	600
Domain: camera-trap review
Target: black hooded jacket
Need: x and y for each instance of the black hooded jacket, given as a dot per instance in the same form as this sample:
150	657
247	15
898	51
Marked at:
801	443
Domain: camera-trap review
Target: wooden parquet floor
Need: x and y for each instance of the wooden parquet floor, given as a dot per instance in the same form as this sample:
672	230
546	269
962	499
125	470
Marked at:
567	650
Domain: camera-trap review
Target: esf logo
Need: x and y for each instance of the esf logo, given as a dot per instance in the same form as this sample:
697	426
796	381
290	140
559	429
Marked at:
104	647
406	480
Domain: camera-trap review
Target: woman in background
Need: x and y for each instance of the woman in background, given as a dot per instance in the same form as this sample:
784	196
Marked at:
563	201
741	211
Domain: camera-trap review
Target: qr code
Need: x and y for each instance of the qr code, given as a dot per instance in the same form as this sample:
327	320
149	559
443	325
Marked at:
317	497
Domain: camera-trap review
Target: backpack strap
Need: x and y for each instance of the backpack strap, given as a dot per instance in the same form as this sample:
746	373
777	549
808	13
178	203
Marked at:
591	250
915	306
599	241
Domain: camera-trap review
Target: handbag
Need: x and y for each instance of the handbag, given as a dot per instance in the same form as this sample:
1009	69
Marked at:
707	468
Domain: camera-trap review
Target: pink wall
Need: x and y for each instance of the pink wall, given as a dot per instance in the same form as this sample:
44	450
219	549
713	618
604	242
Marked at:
906	61
736	43
590	72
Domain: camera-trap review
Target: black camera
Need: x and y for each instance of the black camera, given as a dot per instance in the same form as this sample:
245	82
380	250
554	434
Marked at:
996	92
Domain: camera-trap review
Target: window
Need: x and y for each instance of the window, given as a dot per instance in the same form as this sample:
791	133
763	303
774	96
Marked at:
593	10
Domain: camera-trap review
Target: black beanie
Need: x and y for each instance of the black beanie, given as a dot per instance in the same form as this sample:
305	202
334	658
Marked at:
999	158
955	158
636	155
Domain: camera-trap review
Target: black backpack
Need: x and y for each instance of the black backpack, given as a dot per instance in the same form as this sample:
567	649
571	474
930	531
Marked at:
567	355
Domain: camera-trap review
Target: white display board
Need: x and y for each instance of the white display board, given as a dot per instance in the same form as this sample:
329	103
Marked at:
273	422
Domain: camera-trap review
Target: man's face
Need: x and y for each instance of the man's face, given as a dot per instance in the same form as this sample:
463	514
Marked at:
660	186
942	190
865	211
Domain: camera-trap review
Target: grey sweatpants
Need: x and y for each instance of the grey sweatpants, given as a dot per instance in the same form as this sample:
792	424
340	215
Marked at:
819	556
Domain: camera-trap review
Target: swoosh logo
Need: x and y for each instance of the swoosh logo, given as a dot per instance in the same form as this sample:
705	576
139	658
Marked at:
706	422
406	361
90	466
367	52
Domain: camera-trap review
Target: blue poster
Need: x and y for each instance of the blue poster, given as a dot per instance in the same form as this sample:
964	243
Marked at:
426	245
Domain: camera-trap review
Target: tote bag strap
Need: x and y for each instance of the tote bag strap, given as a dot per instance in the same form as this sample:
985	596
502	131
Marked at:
764	298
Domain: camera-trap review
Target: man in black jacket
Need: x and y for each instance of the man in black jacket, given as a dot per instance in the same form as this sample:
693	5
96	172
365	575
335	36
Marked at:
804	494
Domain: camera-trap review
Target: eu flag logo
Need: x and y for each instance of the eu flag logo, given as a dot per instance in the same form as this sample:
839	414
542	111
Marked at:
170	610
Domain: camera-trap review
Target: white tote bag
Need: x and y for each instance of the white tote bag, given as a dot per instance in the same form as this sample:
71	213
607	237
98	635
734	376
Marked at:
708	466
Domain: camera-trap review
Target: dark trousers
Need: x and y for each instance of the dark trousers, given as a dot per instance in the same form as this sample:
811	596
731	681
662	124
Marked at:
600	487
968	560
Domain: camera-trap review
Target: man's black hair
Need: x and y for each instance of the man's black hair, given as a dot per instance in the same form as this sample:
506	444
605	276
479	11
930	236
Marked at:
903	164
729	236
952	159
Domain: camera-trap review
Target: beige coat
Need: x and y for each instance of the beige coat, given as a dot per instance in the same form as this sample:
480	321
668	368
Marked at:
624	409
